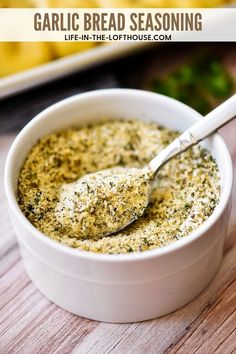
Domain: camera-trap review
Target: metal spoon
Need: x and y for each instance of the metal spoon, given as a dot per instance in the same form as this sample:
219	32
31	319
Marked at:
114	208
213	121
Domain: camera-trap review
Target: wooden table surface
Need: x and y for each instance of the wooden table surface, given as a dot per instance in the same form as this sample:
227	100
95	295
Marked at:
31	324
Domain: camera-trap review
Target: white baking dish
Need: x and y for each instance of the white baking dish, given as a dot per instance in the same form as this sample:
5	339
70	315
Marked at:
55	69
129	287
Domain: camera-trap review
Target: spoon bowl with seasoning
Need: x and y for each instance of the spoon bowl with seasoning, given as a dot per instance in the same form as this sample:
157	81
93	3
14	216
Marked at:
130	286
107	201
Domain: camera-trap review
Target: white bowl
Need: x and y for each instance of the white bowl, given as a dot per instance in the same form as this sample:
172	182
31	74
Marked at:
128	287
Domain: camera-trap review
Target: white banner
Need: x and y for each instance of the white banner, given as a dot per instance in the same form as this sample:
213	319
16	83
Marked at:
117	25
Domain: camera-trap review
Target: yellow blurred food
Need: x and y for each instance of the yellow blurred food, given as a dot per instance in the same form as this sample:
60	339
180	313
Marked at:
70	3
160	3
154	3
196	3
18	56
16	3
133	3
117	3
61	49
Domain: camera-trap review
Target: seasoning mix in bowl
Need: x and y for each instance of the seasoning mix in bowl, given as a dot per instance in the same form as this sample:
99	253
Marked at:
155	265
184	194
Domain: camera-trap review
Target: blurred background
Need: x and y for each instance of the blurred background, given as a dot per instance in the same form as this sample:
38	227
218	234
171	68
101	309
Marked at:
198	74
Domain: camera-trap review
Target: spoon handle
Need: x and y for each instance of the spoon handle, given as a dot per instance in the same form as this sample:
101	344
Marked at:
214	120
197	132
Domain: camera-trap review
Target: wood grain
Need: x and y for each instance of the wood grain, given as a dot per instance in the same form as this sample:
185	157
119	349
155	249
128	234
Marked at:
29	323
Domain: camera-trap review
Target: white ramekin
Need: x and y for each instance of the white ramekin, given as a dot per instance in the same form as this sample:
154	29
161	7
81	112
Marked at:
119	288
